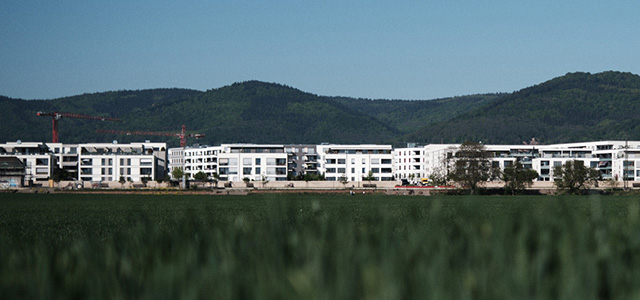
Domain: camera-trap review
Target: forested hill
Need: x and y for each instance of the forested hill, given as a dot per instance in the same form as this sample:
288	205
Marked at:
572	108
250	112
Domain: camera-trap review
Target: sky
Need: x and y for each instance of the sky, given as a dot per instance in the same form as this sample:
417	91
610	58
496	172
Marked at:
364	49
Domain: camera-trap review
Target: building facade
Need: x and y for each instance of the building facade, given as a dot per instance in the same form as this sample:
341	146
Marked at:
616	160
232	162
354	163
95	162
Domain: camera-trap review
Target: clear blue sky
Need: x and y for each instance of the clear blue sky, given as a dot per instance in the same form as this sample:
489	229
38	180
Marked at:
368	49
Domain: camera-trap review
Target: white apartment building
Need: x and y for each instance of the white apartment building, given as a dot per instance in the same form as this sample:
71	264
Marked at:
232	162
112	161
617	160
90	162
354	162
409	163
37	158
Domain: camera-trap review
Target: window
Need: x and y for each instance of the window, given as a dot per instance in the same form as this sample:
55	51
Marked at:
341	161
281	161
342	170
233	161
246	161
353	161
331	170
375	170
246	171
271	161
223	162
145	162
258	170
145	171
331	161
281	171
375	161
557	164
258	162
42	161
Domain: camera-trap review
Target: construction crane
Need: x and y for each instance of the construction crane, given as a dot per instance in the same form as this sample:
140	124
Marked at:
55	116
182	135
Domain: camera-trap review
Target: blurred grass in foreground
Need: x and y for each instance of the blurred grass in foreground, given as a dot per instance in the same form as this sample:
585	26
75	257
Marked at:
318	247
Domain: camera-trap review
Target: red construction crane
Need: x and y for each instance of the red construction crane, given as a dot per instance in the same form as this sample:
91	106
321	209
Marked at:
55	116
182	135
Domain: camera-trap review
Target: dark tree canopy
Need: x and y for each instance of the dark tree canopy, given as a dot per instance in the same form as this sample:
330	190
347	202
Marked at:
574	177
517	177
471	166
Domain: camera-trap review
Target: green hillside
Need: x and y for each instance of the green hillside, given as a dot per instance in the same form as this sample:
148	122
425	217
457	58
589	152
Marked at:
572	108
409	115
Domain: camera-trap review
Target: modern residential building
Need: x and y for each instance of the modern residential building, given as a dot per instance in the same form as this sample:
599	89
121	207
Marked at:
409	163
112	161
303	160
617	160
353	163
12	172
232	162
38	159
89	162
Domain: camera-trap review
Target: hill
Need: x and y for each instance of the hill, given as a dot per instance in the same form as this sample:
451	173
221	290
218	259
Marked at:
571	108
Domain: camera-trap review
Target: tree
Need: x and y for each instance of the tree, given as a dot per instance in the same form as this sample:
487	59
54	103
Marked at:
200	176
343	179
59	175
145	180
517	177
574	177
264	179
122	180
472	166
177	173
369	176
215	177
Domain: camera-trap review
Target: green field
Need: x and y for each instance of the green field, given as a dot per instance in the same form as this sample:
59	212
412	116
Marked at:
78	246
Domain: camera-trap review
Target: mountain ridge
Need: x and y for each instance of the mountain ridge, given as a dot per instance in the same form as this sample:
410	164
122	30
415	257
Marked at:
574	107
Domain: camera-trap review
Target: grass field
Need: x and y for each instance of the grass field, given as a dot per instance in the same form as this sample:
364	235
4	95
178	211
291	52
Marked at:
318	247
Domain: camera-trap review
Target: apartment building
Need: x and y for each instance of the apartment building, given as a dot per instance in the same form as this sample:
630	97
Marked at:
233	162
409	163
112	161
302	160
89	162
616	160
353	163
38	159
